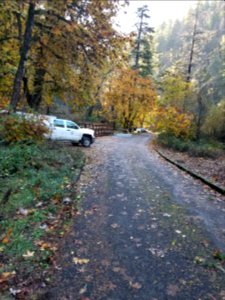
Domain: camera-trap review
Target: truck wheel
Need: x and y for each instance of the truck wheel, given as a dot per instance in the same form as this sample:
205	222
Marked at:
86	141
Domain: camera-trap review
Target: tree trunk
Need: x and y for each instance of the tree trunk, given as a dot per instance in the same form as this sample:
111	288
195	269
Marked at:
192	46
34	99
199	117
190	64
38	88
23	56
137	57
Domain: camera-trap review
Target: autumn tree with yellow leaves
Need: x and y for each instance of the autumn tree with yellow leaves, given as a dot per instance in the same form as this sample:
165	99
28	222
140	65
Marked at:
168	115
68	43
129	98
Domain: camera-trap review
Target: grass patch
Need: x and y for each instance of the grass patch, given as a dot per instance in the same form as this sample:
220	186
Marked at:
201	148
34	180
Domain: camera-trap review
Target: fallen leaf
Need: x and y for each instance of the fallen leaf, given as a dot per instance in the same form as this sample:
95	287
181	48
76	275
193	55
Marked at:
111	286
14	292
166	215
80	261
28	254
135	285
217	254
154	226
6	238
114	226
116	269
174	242
23	212
199	260
219	267
157	252
88	213
45	246
39	204
81	269
83	289
6	276
44	226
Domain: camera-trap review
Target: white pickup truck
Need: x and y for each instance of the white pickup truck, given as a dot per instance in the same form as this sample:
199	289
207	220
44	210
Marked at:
66	130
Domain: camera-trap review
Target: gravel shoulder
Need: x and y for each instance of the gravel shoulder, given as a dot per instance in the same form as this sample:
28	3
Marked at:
211	169
145	230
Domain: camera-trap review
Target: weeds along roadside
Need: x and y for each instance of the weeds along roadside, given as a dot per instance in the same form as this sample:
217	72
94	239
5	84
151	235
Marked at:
37	203
203	148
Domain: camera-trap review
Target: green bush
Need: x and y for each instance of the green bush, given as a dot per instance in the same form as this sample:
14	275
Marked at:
15	128
202	148
205	148
172	142
16	158
214	124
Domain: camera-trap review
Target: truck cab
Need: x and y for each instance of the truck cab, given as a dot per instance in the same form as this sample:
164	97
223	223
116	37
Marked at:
66	130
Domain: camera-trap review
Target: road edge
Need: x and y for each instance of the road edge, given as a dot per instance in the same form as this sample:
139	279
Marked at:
214	186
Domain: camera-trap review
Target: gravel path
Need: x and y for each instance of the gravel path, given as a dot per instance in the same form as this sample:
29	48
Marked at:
145	230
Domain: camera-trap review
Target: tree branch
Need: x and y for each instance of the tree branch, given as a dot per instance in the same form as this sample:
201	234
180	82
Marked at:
52	51
9	38
51	13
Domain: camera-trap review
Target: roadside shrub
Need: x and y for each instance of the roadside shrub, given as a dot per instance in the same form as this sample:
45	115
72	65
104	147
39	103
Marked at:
16	129
172	142
172	122
214	124
202	148
18	157
205	148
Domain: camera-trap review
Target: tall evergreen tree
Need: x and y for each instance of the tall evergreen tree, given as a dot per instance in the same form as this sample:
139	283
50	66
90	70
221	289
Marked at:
142	53
193	41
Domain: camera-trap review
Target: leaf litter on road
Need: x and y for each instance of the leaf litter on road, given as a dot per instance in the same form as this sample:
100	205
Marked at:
80	261
154	203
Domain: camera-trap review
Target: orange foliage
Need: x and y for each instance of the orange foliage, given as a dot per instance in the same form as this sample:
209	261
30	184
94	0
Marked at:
172	121
131	97
19	129
4	103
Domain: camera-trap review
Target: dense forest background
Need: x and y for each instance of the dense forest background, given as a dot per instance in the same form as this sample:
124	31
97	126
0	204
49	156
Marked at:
174	40
194	48
68	59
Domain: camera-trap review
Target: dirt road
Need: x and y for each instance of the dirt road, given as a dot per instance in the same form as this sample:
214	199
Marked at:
145	230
